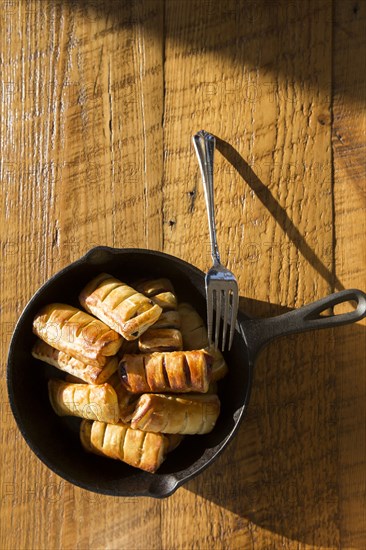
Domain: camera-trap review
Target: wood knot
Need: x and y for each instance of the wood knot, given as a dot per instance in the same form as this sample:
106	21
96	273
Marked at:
324	119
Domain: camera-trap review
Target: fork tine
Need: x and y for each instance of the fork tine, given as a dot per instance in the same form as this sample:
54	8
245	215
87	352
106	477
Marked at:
209	296
217	316
226	311
234	313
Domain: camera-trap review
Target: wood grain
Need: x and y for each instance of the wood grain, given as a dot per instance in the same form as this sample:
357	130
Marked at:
349	148
99	101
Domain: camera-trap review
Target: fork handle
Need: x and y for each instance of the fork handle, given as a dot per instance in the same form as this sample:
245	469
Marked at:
204	144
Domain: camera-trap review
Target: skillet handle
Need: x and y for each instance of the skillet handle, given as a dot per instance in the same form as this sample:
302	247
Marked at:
259	332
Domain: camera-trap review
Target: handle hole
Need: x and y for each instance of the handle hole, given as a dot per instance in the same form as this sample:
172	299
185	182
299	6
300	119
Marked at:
338	309
345	307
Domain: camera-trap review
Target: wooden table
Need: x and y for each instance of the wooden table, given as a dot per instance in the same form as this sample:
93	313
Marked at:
99	101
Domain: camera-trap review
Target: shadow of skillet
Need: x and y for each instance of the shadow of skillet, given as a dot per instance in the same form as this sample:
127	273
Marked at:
275	36
276	210
293	455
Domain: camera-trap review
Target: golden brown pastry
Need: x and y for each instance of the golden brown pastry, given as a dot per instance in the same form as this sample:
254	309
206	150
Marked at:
194	335
76	333
160	339
61	360
164	334
219	365
192	327
168	319
118	305
177	371
95	402
183	414
152	287
161	291
137	448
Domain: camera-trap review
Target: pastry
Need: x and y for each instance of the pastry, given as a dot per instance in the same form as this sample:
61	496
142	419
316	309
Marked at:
61	360
137	448
219	365
76	333
176	371
160	339
153	287
194	335
183	414
161	292
192	327
164	334
95	402
168	319
121	307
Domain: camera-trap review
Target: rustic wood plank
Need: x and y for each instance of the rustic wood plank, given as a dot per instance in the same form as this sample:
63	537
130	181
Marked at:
81	152
258	76
349	152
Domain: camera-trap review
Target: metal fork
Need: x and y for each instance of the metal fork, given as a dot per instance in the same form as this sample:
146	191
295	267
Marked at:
221	285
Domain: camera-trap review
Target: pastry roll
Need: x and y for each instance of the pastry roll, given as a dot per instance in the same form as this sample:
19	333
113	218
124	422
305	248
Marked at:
152	287
61	360
76	333
183	414
160	339
168	319
161	291
121	307
137	448
164	334
219	366
177	371
194	335
192	327
95	402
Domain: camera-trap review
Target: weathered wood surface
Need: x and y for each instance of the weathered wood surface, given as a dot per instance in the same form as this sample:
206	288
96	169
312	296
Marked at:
99	100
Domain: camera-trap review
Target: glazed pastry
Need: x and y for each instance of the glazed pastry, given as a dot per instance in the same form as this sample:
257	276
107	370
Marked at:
61	360
219	366
76	333
125	399
164	334
121	307
192	327
177	371
95	402
160	339
194	335
137	448
183	414
153	287
168	319
161	291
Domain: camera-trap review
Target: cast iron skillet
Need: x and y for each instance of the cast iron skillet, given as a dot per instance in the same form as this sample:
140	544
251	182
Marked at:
56	441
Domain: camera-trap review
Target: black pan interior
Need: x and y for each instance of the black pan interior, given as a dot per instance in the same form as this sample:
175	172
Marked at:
55	440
